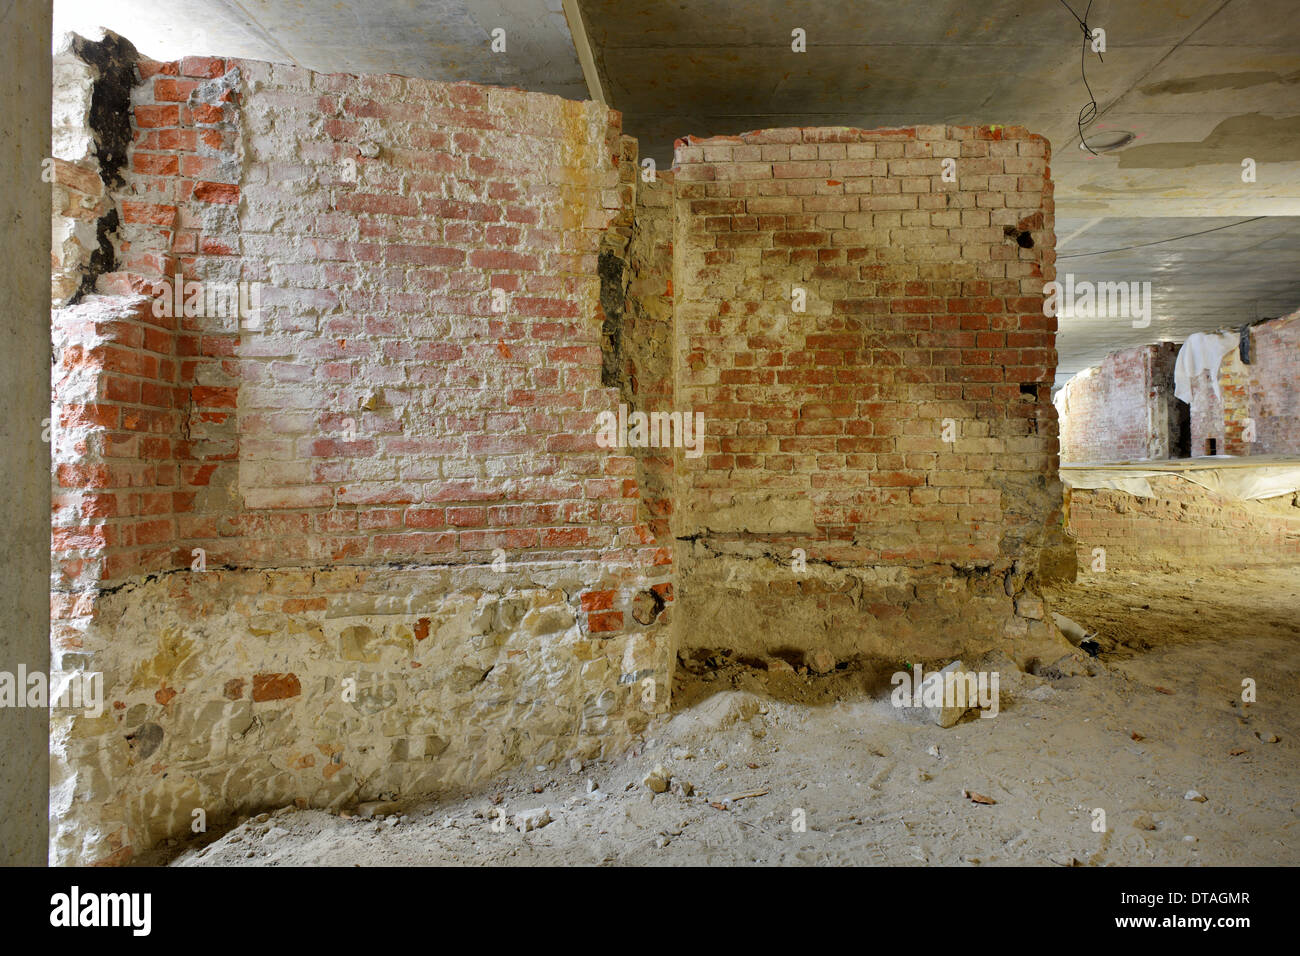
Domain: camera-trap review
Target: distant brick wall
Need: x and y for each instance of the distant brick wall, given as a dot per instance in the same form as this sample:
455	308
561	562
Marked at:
1184	526
1258	412
1123	408
825	426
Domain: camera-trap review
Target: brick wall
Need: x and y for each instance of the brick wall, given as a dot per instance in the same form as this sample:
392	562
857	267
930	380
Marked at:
393	472
826	426
392	285
419	387
343	430
1123	409
1260	399
1274	391
1184	526
117	438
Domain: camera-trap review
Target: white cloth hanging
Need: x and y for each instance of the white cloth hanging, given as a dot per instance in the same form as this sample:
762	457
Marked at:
1202	352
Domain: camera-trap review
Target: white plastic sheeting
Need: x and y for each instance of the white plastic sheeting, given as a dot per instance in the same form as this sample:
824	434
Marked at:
1062	397
1248	483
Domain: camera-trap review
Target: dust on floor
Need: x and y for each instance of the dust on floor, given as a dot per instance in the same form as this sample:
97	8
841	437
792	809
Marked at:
749	756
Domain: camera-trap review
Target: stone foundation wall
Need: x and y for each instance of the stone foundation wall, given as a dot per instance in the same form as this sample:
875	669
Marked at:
241	691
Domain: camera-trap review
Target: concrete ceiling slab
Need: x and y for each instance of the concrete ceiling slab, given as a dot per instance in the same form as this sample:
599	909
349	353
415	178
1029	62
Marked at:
433	39
1240	272
1203	83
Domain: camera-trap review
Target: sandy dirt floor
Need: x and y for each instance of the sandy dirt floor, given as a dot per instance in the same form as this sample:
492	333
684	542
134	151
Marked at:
1156	715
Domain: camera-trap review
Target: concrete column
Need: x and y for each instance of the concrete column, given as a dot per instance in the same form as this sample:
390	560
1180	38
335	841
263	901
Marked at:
25	94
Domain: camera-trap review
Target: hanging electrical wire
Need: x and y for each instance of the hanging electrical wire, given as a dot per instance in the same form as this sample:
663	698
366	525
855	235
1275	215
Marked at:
1157	242
1089	111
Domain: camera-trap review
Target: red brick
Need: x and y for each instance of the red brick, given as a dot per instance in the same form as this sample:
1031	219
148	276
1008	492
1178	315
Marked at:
598	600
275	687
168	90
147	117
205	67
216	192
153	213
605	622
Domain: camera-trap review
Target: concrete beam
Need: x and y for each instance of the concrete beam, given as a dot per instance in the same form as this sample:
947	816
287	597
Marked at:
582	46
25	101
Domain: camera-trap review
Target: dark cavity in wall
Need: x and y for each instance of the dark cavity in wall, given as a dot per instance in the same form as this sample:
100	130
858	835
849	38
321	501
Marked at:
613	301
113	59
1022	236
1180	429
104	258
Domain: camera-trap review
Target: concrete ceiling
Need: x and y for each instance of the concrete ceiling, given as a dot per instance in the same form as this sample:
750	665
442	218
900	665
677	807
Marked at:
433	39
1240	272
1202	83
